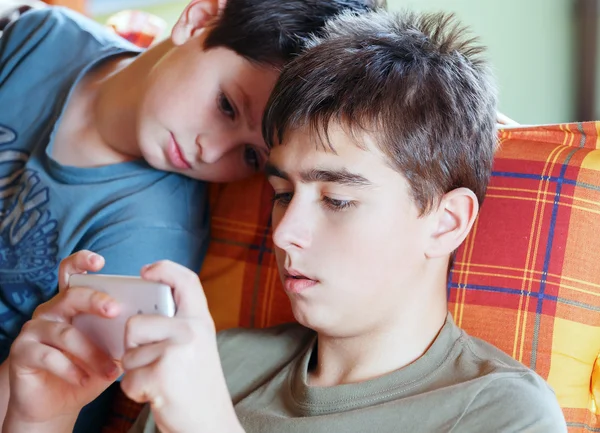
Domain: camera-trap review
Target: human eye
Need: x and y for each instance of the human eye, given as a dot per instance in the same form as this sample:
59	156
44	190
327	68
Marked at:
282	198
225	106
251	158
337	205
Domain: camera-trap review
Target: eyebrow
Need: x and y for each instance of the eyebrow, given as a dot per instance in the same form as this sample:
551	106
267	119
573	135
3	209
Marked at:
342	177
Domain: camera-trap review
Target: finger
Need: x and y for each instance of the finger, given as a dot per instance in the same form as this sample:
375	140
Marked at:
78	263
187	290
29	355
75	346
140	385
143	356
145	329
77	300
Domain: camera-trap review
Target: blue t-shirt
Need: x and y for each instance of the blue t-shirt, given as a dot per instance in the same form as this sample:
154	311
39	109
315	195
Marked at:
130	213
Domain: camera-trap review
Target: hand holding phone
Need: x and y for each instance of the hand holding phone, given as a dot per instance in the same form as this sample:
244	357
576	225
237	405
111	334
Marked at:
135	295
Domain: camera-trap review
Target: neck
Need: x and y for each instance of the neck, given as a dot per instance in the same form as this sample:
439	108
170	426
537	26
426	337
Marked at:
385	348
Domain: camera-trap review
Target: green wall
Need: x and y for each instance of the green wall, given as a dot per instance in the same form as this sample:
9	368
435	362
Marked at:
531	46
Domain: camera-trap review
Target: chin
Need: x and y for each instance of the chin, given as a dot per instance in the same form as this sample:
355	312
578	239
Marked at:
155	159
312	318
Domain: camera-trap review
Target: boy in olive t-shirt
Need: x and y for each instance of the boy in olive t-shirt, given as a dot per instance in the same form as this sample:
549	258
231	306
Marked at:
383	135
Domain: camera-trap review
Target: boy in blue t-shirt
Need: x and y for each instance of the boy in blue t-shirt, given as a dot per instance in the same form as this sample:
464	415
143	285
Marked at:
101	145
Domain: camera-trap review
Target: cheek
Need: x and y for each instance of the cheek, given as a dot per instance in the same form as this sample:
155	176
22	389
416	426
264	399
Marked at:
366	249
347	248
374	251
178	100
152	138
195	114
400	256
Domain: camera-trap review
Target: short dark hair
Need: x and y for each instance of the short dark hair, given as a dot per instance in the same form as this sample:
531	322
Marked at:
274	31
411	81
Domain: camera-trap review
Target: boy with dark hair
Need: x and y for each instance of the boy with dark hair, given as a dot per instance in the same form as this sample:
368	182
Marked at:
383	136
101	144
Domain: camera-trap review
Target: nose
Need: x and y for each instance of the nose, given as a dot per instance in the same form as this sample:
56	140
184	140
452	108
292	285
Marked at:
292	225
211	150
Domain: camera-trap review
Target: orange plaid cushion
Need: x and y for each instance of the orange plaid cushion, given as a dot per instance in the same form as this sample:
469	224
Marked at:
526	278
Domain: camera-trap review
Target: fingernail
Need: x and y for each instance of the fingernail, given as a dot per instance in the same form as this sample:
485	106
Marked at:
93	257
146	267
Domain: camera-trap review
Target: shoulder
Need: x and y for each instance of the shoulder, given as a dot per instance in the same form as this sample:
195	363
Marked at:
64	21
59	36
487	357
526	401
38	23
48	16
33	30
504	385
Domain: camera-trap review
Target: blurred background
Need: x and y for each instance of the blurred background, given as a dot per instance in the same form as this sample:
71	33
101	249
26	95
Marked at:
536	52
545	53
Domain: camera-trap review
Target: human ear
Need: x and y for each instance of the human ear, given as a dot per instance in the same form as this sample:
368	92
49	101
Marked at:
452	222
193	20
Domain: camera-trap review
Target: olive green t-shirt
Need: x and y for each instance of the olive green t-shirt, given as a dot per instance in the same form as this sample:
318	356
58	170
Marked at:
461	384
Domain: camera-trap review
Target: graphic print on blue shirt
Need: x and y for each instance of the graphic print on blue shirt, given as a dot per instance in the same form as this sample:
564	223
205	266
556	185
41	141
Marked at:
28	241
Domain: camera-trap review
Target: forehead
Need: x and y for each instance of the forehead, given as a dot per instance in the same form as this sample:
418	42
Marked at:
231	63
256	79
304	149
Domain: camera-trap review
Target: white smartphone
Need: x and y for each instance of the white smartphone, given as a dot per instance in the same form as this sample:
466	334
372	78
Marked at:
135	296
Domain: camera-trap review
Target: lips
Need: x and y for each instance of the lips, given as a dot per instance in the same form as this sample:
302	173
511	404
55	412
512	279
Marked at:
176	156
296	282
